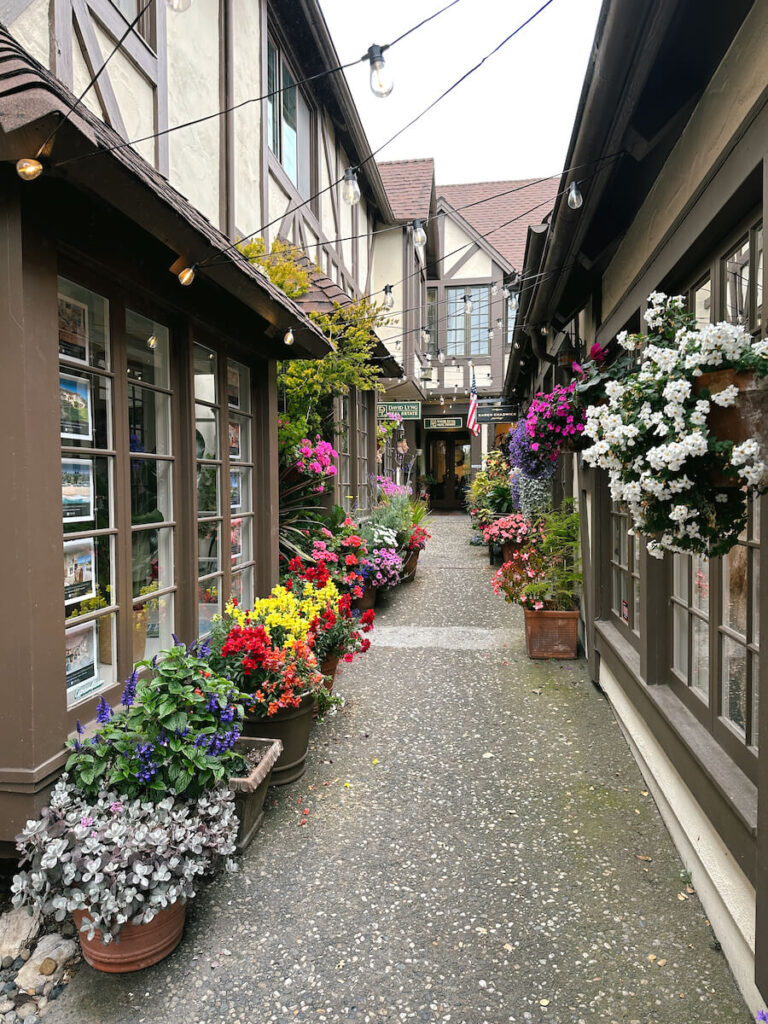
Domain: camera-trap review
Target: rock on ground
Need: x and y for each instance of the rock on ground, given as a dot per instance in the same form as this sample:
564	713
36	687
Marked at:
18	929
47	963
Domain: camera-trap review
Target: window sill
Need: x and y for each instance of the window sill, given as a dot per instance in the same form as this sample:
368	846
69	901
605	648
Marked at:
725	777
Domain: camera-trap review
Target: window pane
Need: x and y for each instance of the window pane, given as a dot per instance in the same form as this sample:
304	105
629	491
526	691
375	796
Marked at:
636	605
702	302
147	349
734	681
149	421
455	345
304	148
758	277
85	493
273	101
83	325
700	577
242	587
432	320
207	490
152	552
480	320
204	365
207	548
241	545
150	492
680	641
208	604
755	697
754	519
511	317
239	438
206	432
289	154
736	297
240	491
735	589
90	658
755	597
700	657
88	575
238	387
85	409
152	626
681	566
616	590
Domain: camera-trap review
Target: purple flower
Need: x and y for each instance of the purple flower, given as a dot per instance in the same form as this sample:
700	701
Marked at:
116	807
85	821
177	642
103	712
129	693
79	727
762	1015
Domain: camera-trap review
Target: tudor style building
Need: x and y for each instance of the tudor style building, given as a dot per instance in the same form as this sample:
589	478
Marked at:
670	156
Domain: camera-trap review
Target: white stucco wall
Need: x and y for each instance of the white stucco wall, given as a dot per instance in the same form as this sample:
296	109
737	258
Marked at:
479	265
31	30
733	90
387	268
363	227
246	77
193	90
80	78
278	205
134	94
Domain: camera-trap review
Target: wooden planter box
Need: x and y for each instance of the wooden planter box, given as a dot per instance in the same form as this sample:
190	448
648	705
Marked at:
250	792
551	634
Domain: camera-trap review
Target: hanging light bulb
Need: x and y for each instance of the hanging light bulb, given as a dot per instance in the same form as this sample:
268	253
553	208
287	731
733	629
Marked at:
453	361
350	190
495	288
441	356
467	303
28	169
419	234
425	333
187	276
499	322
505	291
381	78
575	198
517	344
490	334
179	6
389	298
513	301
288	337
152	342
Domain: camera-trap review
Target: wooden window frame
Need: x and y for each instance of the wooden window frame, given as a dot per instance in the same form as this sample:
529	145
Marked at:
632	572
285	56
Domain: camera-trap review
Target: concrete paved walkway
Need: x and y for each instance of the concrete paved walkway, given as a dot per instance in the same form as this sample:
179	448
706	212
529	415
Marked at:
470	855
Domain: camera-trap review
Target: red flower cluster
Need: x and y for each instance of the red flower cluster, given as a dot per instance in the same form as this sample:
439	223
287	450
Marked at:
418	539
280	676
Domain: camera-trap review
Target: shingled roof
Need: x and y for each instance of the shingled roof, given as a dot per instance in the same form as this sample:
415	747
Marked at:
35	100
523	202
410	187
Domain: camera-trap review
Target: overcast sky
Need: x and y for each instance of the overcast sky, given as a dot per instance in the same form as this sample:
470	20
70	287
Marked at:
510	119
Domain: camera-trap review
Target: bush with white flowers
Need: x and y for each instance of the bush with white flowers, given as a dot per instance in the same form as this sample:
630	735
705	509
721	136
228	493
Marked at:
122	861
653	436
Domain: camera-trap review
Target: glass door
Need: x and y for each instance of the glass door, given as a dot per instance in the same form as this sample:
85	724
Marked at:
449	470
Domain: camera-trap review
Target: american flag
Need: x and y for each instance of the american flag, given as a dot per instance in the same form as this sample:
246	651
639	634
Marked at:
472	423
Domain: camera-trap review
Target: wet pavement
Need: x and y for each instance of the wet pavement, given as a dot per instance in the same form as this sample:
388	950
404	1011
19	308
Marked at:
480	847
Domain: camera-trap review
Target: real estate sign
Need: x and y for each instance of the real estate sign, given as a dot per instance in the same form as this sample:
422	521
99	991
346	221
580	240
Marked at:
408	410
497	413
443	423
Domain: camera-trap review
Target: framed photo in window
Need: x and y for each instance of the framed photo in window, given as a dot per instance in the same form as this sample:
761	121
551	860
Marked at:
76	414
234	440
79	570
237	539
77	490
236	491
73	329
233	387
80	662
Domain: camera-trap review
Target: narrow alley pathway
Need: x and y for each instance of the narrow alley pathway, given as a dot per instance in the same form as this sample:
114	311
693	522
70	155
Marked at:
471	852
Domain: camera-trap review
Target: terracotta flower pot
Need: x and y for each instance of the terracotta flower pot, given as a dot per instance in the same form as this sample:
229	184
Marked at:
292	726
368	600
747	418
409	566
138	945
551	634
251	790
509	549
328	667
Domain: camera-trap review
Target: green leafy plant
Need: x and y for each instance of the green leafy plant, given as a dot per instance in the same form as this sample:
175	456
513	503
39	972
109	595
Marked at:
557	586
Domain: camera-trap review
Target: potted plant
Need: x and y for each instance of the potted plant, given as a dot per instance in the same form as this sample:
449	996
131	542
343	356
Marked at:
280	682
677	458
553	423
416	544
260	755
145	809
544	578
508	533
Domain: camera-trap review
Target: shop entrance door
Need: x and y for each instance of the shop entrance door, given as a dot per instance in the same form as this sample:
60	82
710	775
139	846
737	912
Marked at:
449	466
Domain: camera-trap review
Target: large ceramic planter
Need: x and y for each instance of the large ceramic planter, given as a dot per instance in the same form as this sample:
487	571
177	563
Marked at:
292	727
409	566
368	600
328	667
251	790
747	418
551	634
138	945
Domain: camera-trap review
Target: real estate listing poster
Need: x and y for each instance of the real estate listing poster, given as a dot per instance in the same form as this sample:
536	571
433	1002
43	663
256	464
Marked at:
80	661
79	570
73	329
75	407
77	490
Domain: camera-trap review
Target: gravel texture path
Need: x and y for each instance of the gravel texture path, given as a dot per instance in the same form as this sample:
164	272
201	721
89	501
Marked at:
479	847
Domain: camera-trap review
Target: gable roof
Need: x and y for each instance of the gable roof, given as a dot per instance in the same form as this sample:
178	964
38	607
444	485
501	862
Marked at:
523	202
410	187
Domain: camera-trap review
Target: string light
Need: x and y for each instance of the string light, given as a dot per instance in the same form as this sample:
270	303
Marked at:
419	234
505	291
575	198
499	322
495	288
288	337
350	190
441	356
152	342
513	301
179	6
467	304
381	77
490	334
389	298
28	169
187	276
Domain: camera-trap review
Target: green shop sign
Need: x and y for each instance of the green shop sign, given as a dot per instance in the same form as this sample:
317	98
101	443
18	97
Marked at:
408	410
443	423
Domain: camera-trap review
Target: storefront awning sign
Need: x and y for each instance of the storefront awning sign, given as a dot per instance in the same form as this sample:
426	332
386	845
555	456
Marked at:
497	413
443	423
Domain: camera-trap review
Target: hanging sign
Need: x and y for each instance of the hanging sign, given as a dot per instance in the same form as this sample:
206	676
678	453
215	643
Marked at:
408	410
443	423
496	413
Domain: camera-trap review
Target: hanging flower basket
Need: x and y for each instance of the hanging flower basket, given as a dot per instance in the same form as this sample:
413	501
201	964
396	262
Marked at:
551	634
251	790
